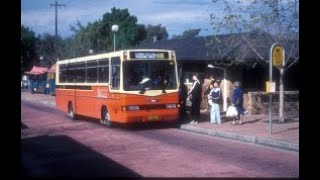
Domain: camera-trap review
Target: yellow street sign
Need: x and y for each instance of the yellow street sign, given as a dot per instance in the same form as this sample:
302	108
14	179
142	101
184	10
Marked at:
278	56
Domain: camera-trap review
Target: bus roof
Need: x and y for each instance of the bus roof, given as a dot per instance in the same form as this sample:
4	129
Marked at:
108	54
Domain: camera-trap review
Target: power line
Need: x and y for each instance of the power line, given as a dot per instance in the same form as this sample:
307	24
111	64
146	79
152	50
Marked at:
56	5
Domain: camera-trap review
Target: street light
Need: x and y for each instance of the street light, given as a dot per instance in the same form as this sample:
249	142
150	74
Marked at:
224	84
114	29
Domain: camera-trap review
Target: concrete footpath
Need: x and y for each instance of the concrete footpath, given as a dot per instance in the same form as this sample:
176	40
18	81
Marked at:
255	128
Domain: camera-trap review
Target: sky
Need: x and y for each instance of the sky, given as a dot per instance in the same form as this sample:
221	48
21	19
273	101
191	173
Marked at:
176	15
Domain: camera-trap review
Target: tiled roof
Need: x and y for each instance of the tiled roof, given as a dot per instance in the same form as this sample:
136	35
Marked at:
233	47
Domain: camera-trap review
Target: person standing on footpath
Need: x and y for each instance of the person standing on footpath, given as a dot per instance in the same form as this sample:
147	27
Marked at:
195	93
237	101
183	93
214	100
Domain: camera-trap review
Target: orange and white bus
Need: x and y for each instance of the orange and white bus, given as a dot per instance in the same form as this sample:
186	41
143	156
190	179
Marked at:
127	86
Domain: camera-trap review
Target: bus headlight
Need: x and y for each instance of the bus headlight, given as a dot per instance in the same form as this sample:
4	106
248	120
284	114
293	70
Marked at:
171	106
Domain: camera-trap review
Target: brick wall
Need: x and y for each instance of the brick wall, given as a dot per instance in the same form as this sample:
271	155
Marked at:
258	102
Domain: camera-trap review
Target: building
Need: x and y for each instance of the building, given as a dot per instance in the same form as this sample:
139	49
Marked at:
245	57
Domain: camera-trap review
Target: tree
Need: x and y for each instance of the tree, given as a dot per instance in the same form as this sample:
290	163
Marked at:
68	48
280	18
49	47
158	31
28	50
142	33
98	35
86	38
187	34
129	31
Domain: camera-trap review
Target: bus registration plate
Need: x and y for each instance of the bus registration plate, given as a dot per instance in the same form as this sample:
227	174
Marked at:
153	117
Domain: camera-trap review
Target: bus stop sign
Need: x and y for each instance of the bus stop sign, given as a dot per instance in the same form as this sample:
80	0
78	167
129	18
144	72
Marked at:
278	56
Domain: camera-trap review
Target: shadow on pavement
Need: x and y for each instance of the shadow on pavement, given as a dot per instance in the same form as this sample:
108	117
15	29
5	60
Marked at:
205	117
149	126
252	121
61	156
286	120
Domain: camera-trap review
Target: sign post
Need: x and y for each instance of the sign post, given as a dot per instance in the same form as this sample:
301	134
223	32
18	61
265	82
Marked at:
279	61
276	59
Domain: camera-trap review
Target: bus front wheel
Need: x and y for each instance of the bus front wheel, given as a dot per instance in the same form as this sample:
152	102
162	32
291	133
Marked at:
105	117
71	113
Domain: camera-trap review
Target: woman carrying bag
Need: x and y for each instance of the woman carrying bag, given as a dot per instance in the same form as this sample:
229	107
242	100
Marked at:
237	101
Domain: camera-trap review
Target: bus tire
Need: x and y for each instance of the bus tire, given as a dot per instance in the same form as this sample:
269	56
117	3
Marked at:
105	117
71	113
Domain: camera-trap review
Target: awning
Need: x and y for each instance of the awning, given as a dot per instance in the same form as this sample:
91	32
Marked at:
37	70
52	69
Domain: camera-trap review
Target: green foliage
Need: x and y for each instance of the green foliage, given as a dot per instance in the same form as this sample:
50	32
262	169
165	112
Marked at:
128	34
84	39
28	53
50	48
157	31
98	35
187	34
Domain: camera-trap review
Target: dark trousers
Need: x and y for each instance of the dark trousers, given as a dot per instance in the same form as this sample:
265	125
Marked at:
182	107
195	109
240	110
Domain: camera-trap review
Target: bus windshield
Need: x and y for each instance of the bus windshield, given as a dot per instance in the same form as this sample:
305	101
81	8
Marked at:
153	75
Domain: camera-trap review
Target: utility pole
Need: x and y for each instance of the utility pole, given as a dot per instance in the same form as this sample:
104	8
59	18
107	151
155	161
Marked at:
56	5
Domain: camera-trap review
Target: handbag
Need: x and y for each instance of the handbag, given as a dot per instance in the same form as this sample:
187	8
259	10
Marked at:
231	111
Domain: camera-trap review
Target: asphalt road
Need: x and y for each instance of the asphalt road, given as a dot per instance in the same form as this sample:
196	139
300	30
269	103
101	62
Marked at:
52	145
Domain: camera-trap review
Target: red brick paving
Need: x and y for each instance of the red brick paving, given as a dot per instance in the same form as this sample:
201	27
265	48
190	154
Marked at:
253	125
153	153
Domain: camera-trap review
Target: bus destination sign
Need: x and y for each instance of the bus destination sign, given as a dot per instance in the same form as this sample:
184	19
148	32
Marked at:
149	55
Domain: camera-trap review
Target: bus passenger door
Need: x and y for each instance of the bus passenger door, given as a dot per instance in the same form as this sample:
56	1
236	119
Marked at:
115	87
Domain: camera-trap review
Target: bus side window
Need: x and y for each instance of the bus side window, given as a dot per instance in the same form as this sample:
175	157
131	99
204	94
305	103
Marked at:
80	72
92	71
115	73
62	73
71	73
103	71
